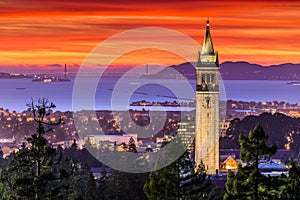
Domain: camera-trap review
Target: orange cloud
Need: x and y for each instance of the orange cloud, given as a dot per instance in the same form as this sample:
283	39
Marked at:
52	31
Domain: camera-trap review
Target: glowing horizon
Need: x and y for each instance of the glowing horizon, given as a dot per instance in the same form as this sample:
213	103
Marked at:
50	32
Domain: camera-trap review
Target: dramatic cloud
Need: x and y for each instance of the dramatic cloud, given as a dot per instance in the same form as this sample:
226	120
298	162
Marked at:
45	32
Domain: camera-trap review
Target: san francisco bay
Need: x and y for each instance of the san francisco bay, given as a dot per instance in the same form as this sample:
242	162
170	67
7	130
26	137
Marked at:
15	93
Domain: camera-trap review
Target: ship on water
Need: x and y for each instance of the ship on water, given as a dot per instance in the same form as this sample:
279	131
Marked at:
294	83
47	79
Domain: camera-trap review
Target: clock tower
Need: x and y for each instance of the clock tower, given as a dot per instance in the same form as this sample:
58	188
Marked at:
207	106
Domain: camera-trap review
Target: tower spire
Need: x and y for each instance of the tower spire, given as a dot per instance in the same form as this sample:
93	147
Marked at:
207	48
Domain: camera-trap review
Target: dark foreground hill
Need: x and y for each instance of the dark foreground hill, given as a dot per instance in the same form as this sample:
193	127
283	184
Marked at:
282	130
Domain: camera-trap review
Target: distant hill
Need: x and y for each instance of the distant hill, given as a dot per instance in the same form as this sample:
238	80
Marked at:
247	71
228	70
239	71
278	126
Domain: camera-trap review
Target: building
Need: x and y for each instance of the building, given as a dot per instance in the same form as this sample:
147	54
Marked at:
207	106
186	133
108	140
276	166
7	140
229	164
271	168
224	125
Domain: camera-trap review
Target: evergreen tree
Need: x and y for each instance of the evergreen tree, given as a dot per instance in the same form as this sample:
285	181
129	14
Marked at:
290	190
91	188
124	185
179	180
3	186
249	183
38	171
294	180
216	194
163	183
194	182
255	148
31	167
1	154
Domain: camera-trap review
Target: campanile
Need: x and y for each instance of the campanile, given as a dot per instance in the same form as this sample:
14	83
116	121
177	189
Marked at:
207	106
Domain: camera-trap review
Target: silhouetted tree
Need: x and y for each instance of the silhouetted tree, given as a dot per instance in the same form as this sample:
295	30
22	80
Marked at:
179	180
249	183
290	189
124	185
38	171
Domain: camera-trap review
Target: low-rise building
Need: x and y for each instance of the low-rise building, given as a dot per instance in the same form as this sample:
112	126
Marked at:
108	140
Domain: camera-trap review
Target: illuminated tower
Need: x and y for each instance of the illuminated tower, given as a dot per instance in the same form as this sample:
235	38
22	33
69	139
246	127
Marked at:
207	106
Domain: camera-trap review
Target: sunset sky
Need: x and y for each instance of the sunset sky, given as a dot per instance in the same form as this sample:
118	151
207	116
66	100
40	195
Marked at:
50	32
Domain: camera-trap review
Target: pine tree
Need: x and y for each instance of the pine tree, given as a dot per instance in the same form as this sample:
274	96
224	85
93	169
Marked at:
179	180
38	171
124	185
290	189
194	182
91	188
249	183
255	148
163	183
294	180
1	154
3	185
31	167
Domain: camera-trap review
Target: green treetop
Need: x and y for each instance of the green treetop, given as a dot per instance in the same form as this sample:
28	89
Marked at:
249	183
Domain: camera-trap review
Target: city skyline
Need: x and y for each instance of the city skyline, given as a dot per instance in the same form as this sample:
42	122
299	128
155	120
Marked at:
53	32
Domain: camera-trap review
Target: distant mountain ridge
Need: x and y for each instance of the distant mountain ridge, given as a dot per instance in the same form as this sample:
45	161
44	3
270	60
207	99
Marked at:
239	71
229	71
247	71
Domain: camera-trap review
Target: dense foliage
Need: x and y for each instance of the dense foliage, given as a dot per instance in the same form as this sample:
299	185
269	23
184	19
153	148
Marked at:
179	180
250	183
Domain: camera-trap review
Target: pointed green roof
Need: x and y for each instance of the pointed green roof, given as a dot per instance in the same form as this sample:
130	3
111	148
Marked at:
207	48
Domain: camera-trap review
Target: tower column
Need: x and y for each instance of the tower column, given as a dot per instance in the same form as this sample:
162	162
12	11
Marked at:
207	107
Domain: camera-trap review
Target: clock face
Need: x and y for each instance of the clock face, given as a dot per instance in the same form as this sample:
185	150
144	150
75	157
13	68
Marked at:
206	102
